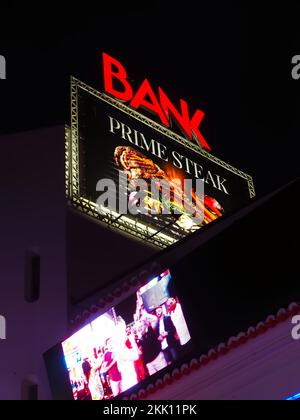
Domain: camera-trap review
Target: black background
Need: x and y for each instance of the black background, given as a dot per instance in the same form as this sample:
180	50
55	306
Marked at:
232	61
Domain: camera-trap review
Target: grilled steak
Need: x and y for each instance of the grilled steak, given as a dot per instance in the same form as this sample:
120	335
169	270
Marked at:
136	165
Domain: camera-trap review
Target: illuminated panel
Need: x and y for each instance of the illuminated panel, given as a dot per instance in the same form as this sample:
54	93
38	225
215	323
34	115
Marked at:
108	138
125	346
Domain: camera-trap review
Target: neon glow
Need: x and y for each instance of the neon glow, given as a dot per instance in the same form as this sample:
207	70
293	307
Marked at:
146	98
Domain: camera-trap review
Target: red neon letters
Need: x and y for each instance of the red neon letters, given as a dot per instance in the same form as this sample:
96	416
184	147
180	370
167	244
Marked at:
146	98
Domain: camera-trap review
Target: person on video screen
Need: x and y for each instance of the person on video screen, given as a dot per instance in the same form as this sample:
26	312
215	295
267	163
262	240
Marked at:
139	363
110	366
150	345
167	335
90	370
128	355
175	312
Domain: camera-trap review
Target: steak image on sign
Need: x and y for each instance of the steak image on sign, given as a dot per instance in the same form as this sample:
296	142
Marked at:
111	141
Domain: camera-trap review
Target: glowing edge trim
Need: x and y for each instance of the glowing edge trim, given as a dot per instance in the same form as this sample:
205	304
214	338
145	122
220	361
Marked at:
293	398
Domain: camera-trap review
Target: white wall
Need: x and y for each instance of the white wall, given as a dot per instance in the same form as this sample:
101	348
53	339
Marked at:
32	214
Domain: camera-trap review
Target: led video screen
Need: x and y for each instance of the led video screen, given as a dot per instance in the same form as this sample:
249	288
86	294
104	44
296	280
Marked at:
128	344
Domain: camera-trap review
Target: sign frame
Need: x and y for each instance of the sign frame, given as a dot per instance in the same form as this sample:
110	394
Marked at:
112	218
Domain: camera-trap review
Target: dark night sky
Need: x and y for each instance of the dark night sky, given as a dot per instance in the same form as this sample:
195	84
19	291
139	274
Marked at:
233	62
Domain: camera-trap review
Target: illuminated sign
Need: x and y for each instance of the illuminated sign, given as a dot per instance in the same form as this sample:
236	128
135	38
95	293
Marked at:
125	346
146	98
108	140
